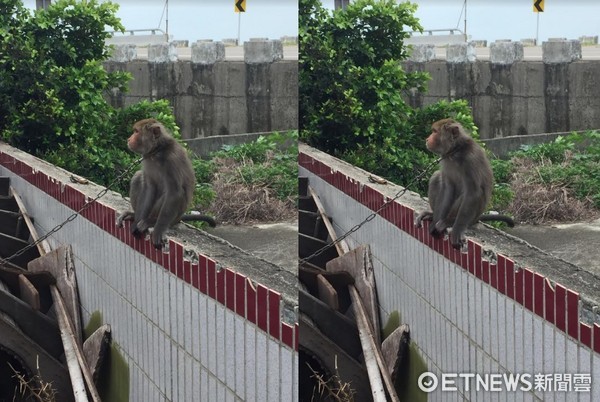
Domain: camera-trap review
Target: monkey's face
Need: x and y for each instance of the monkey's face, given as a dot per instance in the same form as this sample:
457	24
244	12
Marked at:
141	141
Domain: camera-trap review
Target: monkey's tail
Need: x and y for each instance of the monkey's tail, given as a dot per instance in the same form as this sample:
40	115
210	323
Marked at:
498	217
197	217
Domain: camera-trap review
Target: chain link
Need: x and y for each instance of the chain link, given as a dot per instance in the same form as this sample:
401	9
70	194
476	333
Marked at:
372	215
75	214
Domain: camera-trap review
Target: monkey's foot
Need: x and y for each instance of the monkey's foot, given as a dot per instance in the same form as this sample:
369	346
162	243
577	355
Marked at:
458	243
157	241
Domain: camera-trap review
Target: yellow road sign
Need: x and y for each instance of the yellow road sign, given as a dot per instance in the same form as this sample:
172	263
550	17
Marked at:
239	6
538	6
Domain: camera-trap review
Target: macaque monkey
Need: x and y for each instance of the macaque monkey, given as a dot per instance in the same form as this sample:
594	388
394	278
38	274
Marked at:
460	191
164	188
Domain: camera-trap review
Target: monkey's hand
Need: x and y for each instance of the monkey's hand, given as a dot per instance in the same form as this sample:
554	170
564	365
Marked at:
423	216
139	229
125	216
438	230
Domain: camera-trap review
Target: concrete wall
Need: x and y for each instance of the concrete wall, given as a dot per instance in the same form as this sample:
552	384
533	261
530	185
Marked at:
201	321
501	307
510	96
211	96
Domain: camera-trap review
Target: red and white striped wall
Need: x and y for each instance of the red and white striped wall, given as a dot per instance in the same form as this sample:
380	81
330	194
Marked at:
188	330
467	315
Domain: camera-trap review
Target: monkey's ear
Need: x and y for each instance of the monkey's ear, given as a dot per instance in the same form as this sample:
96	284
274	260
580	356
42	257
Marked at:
454	128
156	130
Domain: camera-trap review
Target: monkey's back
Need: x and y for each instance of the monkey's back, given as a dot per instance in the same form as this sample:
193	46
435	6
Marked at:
171	169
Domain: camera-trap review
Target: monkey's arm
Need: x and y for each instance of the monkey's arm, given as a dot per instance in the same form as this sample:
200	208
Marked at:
142	210
443	205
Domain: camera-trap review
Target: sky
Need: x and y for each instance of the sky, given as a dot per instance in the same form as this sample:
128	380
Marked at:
210	19
486	19
511	19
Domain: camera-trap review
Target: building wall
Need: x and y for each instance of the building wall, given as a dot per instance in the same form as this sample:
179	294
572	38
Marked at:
467	314
188	330
221	98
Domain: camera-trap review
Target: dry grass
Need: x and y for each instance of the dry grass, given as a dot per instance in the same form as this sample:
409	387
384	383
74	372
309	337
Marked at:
239	202
537	202
34	389
332	389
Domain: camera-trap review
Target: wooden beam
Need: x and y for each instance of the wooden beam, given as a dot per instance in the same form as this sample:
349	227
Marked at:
376	366
29	294
73	354
341	247
43	247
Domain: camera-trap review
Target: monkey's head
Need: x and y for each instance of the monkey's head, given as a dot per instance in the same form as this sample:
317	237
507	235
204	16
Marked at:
146	136
444	134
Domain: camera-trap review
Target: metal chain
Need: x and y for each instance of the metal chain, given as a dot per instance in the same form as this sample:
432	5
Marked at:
372	215
75	214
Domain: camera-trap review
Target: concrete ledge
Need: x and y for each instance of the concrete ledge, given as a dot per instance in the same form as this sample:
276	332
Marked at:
422	53
506	52
162	53
561	51
208	52
259	51
461	53
123	53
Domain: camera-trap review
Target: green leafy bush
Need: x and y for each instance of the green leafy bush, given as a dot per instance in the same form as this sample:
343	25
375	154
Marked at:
52	87
353	89
572	162
269	161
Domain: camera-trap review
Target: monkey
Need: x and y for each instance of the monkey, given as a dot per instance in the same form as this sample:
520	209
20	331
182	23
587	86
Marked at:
461	189
164	187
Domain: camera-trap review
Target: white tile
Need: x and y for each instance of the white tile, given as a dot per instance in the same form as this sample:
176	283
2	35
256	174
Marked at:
230	350
261	366
274	371
212	389
204	388
187	317
528	342
518	340
211	327
203	333
495	337
220	342
240	356
195	380
538	345
252	375
287	372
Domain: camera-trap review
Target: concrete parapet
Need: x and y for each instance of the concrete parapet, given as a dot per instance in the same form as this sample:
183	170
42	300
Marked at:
262	51
230	42
208	52
422	53
480	43
162	53
289	40
461	53
181	43
506	52
528	42
123	53
589	40
561	51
